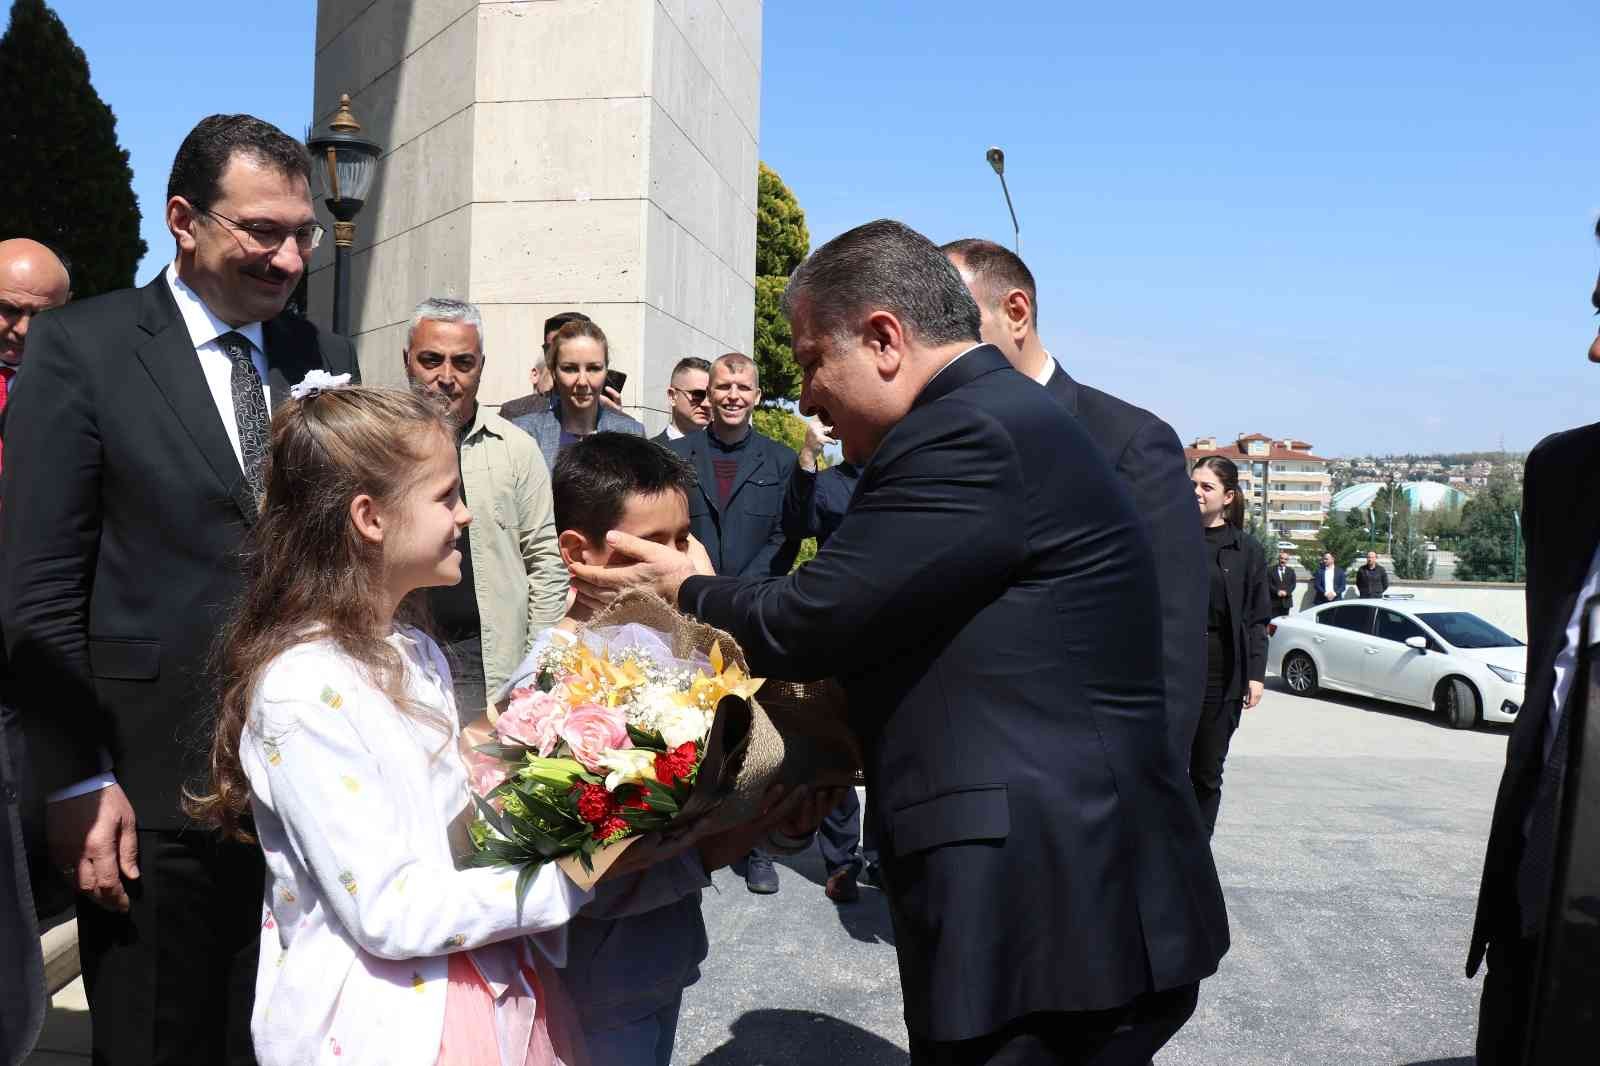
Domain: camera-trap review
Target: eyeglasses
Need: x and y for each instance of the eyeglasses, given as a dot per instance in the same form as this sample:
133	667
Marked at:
696	397
262	237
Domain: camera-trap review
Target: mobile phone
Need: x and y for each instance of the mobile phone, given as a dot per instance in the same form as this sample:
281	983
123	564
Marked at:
615	380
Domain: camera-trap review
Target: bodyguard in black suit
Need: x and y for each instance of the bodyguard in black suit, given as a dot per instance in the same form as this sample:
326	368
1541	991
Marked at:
1281	581
990	605
131	476
1141	448
1561	483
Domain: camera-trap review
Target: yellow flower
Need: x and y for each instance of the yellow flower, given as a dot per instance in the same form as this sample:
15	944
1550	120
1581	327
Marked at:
350	783
331	697
417	982
348	880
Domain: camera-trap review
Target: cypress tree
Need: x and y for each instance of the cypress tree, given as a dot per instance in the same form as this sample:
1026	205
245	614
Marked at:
65	180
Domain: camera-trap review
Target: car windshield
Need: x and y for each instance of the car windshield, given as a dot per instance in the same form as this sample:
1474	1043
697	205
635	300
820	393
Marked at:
1465	630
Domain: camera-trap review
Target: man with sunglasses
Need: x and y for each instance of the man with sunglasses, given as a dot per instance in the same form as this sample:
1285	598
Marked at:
133	470
688	399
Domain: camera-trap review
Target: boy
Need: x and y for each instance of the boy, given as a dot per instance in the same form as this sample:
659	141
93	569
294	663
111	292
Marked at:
634	949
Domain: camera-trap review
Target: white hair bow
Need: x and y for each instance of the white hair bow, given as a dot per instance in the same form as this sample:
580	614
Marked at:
317	381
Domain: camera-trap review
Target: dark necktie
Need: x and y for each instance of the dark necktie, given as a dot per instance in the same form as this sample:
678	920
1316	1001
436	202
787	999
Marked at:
249	410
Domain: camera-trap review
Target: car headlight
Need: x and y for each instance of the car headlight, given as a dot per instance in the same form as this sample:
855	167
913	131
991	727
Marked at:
1510	677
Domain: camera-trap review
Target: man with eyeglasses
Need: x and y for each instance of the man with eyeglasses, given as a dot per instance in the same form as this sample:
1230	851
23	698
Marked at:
688	399
133	472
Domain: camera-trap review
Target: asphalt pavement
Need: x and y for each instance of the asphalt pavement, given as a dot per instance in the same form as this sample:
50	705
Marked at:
1349	846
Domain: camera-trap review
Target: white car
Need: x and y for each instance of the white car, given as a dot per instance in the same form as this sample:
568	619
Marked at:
1405	651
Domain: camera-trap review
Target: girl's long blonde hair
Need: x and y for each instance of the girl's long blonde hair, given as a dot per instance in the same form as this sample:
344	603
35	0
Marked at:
307	570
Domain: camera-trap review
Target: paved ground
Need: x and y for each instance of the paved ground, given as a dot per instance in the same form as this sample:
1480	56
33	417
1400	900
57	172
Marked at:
1349	848
1350	845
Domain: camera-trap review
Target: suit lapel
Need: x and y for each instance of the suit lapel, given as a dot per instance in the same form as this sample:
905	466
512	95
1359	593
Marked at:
970	365
1063	388
701	450
169	358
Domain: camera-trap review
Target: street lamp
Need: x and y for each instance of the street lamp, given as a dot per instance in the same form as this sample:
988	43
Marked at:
1516	539
344	164
997	159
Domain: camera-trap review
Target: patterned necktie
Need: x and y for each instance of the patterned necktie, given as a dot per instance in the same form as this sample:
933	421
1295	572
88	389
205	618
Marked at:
6	373
249	410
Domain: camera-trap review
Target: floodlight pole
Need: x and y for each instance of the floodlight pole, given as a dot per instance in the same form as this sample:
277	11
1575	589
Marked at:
997	160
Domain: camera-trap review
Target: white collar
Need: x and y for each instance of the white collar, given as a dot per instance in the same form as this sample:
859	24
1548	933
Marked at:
203	326
673	432
1045	371
952	363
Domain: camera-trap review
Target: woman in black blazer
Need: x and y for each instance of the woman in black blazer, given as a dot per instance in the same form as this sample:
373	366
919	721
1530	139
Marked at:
1236	626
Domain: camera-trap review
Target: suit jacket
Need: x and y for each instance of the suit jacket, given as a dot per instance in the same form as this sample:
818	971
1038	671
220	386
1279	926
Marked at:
746	537
545	427
125	510
1338	584
1000	645
1146	454
530	404
1562	527
816	501
1287	584
1244	581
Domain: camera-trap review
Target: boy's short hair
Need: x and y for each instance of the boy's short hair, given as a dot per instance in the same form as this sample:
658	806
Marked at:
594	478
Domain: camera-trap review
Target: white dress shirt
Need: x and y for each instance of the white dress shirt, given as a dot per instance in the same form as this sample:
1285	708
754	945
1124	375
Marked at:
1567	660
673	432
1046	369
204	329
1327	582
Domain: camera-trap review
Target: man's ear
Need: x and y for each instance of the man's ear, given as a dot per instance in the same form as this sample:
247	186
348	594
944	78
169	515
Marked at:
1018	314
367	519
181	220
887	338
575	547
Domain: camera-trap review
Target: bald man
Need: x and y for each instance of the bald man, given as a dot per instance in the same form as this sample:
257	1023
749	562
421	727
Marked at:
32	279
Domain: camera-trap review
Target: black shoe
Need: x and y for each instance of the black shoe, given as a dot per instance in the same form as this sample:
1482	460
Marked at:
872	877
760	877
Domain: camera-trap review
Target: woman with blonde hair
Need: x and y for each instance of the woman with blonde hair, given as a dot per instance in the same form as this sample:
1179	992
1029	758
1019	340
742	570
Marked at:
579	359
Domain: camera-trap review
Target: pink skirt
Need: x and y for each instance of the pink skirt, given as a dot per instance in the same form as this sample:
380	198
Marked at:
472	1023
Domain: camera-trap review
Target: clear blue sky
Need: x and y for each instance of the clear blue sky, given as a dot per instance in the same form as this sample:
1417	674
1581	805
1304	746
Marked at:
1366	229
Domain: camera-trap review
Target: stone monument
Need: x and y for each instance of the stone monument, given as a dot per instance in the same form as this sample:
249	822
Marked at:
547	155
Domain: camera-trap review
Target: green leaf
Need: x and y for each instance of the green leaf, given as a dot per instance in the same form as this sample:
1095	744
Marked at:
505	752
646	738
525	878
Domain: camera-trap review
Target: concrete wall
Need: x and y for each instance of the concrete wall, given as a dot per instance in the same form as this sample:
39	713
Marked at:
546	155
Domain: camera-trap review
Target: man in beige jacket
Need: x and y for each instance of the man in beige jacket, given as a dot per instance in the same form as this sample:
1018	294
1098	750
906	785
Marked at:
513	582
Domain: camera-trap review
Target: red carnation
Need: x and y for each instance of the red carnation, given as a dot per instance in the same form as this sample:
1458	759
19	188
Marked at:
638	801
612	825
595	804
675	765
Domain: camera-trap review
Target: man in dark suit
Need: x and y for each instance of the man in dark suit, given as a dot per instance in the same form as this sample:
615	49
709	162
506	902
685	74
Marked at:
1560	484
1000	644
1281	581
1372	580
688	399
133	470
737	514
1141	448
1328	583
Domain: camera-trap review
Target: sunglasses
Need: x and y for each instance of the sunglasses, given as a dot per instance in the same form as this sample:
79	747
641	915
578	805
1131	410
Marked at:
696	397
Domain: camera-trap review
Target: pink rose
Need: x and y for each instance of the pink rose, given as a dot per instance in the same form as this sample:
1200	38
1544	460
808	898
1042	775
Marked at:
591	730
532	719
485	774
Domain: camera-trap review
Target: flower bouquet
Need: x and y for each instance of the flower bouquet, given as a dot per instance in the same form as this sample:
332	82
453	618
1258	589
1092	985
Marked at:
643	723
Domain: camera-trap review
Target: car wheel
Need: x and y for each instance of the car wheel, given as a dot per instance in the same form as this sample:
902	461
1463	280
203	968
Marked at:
1300	673
1456	700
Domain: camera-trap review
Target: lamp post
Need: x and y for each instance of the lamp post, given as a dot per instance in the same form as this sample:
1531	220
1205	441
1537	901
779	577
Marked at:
344	163
1516	542
997	159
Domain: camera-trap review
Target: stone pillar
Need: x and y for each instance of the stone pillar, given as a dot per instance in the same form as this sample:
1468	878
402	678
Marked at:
547	155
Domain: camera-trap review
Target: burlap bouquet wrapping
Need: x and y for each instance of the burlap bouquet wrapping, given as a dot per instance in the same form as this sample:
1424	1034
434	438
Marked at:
792	734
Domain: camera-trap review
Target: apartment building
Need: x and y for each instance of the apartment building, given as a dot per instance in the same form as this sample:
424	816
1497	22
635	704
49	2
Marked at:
1282	480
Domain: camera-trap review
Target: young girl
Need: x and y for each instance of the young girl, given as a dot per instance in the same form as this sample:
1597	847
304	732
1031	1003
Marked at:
337	733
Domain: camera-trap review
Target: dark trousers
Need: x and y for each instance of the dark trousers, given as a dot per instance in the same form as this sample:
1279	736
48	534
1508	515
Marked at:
1048	1038
173	980
1155	1019
841	841
1219	717
466	678
1503	1010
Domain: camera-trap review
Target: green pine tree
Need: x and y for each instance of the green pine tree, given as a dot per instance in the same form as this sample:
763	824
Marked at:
1412	561
1488	531
1341	538
65	180
782	241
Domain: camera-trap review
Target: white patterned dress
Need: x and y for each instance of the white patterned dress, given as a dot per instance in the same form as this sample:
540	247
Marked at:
357	808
